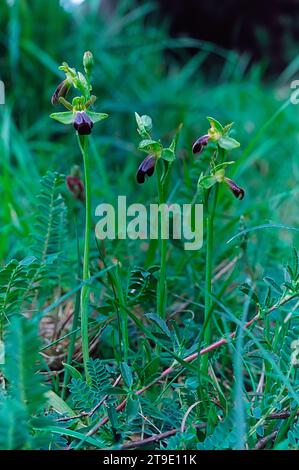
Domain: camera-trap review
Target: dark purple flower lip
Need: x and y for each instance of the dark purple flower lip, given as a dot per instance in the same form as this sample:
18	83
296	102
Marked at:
147	167
238	192
61	91
200	143
82	123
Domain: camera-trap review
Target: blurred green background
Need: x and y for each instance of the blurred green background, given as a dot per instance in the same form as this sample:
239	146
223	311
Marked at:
175	78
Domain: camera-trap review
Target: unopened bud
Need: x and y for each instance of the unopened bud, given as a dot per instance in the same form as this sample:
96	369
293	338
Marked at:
76	171
76	187
88	62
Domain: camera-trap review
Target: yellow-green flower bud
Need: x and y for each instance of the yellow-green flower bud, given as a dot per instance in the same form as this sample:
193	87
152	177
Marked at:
88	62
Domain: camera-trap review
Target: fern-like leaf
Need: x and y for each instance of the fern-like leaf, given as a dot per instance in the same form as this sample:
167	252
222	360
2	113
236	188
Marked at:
25	393
50	230
13	284
84	396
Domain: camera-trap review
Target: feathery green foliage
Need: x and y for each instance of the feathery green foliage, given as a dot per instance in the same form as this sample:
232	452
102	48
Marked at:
24	395
13	283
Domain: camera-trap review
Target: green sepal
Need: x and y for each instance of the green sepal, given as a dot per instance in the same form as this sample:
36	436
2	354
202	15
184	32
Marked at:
96	117
227	128
228	143
150	146
66	117
223	165
215	124
168	155
206	182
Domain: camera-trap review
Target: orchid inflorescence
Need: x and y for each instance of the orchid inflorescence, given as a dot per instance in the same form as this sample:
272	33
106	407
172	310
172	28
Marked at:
153	148
219	135
159	160
83	119
155	151
78	113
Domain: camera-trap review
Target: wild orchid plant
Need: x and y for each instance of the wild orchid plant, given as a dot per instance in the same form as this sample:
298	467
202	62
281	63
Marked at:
79	114
208	186
159	159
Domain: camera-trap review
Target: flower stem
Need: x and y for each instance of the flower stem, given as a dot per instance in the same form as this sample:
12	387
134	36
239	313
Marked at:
162	285
123	323
208	274
162	282
71	347
210	208
83	143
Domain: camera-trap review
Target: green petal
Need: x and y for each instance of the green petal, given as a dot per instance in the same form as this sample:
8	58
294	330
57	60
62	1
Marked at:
168	155
228	143
65	118
96	117
206	182
216	124
151	146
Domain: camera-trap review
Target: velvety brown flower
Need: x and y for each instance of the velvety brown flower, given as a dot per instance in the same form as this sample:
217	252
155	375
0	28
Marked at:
61	91
200	143
82	123
146	168
238	192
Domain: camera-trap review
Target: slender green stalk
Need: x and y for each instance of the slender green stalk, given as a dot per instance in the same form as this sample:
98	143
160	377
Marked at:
211	203
208	274
162	282
75	323
121	316
83	143
123	324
